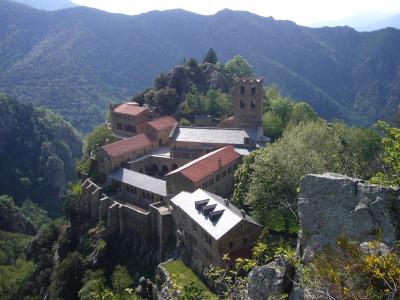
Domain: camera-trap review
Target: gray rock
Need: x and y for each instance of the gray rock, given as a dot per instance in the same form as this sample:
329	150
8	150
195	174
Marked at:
297	294
375	248
330	205
270	281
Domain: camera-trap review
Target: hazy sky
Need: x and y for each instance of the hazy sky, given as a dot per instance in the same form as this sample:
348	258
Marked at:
304	12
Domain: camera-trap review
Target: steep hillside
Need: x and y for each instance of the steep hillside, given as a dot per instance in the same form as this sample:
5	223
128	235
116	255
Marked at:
37	153
77	60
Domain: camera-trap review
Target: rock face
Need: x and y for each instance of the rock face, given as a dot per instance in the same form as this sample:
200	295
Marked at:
331	205
270	281
12	220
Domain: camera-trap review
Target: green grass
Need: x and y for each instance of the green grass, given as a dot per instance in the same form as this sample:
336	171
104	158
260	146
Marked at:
182	276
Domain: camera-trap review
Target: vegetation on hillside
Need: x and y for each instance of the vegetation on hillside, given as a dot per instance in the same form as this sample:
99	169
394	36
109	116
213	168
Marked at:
341	72
38	152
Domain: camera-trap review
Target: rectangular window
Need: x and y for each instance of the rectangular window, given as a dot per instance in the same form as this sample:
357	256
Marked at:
218	178
223	173
211	182
253	90
119	126
242	90
229	170
245	241
230	245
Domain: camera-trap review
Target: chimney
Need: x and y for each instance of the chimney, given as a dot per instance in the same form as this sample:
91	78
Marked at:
219	162
243	213
226	202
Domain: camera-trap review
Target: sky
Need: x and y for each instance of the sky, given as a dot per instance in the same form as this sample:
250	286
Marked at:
304	12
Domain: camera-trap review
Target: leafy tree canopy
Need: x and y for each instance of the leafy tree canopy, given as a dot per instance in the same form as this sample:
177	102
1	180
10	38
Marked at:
238	66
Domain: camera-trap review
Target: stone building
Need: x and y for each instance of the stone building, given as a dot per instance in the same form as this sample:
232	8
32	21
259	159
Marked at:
212	172
210	227
143	189
160	129
125	117
192	142
113	155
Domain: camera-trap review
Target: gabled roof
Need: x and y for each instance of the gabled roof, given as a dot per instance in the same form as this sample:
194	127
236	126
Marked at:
127	145
213	135
130	108
162	123
206	165
217	228
141	181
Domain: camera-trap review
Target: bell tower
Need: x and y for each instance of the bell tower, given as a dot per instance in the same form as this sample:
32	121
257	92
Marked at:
247	96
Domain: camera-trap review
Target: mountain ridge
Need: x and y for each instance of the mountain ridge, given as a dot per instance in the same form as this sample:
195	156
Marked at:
78	60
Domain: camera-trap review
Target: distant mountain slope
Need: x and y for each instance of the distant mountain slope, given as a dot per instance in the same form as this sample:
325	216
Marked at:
48	4
77	60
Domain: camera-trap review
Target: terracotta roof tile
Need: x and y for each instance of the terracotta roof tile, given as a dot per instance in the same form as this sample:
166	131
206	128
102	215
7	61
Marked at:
162	123
129	109
206	165
127	145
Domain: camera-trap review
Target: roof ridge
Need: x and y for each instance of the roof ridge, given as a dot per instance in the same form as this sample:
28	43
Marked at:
185	166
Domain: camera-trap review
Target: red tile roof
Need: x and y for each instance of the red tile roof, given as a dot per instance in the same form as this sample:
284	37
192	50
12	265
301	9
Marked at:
127	145
206	165
131	109
162	123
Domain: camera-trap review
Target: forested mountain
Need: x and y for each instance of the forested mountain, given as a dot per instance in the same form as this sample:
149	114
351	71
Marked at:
48	4
77	60
37	154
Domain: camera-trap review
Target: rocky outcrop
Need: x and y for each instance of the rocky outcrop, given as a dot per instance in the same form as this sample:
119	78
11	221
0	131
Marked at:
331	205
11	219
270	281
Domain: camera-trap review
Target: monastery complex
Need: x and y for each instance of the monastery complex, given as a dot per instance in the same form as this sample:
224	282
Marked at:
168	182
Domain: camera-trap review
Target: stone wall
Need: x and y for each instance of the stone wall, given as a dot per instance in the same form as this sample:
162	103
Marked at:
155	226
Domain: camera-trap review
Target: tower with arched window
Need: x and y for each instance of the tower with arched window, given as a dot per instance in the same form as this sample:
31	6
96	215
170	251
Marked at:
247	97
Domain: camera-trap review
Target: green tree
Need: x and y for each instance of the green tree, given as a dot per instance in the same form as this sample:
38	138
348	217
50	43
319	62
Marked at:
273	125
302	112
69	275
121	280
391	157
239	67
98	138
307	148
211	57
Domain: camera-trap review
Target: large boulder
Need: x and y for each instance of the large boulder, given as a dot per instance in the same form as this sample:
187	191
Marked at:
331	205
270	281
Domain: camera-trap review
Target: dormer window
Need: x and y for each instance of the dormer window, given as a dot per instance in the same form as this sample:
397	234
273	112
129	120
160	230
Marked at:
242	90
253	90
241	104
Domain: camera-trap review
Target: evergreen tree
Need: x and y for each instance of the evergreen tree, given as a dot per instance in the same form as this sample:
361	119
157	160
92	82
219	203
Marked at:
211	57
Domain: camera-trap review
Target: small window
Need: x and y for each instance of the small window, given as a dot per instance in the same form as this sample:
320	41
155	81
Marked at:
253	90
218	178
230	245
119	126
241	104
211	182
242	90
245	241
223	173
253	104
229	170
